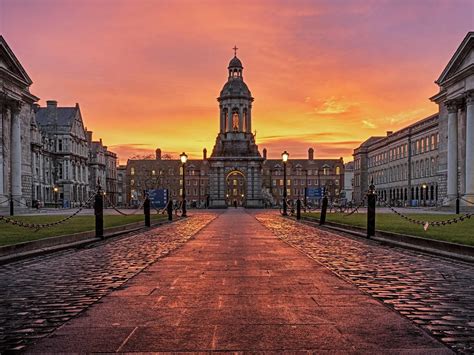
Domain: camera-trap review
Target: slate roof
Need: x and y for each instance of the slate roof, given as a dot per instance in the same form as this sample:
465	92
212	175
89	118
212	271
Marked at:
60	117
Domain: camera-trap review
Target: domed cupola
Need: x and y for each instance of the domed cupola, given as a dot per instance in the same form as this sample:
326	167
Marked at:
235	100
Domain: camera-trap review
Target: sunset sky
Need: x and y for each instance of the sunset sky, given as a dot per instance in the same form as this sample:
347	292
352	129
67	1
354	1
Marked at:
324	74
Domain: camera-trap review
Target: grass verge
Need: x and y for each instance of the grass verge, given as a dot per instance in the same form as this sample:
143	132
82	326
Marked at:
461	232
10	234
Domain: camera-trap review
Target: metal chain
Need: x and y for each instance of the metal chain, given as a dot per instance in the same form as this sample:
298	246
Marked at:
162	211
425	224
357	208
121	212
38	226
469	202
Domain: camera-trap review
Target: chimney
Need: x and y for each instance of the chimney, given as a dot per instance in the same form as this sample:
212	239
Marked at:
310	153
389	133
264	153
158	153
89	136
51	104
204	154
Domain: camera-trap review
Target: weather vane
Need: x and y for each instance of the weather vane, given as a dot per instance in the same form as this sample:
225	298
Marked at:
235	50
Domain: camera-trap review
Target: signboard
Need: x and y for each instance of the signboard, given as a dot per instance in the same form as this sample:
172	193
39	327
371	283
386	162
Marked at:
315	192
158	197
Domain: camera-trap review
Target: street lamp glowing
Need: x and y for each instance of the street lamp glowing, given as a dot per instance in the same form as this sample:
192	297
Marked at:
183	157
55	189
284	156
424	186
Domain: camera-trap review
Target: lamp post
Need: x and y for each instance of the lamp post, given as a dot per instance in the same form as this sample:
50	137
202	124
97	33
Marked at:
424	195
55	189
184	159
284	157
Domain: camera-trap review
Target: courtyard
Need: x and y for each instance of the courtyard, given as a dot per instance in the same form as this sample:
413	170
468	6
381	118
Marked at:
237	280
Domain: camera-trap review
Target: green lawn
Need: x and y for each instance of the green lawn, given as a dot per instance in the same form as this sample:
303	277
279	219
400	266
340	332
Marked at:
461	232
10	234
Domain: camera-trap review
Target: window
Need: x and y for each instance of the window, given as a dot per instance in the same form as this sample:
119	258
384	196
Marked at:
235	121
132	171
153	172
338	170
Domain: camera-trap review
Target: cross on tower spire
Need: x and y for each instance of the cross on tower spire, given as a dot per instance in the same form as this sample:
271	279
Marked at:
235	50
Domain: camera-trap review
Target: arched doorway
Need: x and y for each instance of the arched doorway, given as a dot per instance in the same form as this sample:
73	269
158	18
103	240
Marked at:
236	188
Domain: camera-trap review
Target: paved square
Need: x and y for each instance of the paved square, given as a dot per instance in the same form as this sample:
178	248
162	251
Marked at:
236	287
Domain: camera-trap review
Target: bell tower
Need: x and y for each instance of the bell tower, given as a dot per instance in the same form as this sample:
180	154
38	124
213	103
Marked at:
235	152
235	100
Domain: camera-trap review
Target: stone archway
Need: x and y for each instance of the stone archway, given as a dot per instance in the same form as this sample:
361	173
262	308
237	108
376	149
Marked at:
236	188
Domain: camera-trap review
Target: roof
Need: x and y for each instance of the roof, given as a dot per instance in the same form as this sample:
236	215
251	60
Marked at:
61	117
15	67
235	63
235	87
458	57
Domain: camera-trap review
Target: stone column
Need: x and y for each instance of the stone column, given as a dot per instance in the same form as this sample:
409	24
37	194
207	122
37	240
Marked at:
452	151
241	120
221	119
229	120
470	148
3	113
249	119
16	153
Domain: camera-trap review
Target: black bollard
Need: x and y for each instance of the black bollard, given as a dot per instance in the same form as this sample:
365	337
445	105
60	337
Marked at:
371	199
12	209
457	205
324	208
298	209
169	209
99	214
146	210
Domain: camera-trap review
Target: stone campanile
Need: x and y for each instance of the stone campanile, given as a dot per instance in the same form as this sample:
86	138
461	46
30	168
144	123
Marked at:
235	163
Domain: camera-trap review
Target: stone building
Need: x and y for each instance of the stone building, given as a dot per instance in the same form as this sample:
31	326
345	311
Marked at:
348	181
65	150
44	152
235	165
17	129
455	100
432	160
403	165
122	185
302	174
111	182
235	173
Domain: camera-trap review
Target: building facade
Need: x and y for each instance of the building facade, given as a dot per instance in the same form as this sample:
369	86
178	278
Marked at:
431	161
45	156
17	129
235	173
403	165
455	100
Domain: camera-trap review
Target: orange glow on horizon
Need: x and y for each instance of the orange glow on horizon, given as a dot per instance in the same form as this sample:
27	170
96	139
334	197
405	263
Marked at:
325	75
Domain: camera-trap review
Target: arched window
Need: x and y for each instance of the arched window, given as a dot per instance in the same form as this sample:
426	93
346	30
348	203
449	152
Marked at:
244	120
338	170
235	121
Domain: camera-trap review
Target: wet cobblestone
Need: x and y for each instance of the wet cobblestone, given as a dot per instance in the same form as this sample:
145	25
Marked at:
38	295
433	292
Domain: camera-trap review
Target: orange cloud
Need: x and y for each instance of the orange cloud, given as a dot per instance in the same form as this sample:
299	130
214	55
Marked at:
147	73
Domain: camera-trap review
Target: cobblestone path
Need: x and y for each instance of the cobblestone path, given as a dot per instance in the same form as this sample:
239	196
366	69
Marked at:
435	293
39	294
237	287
